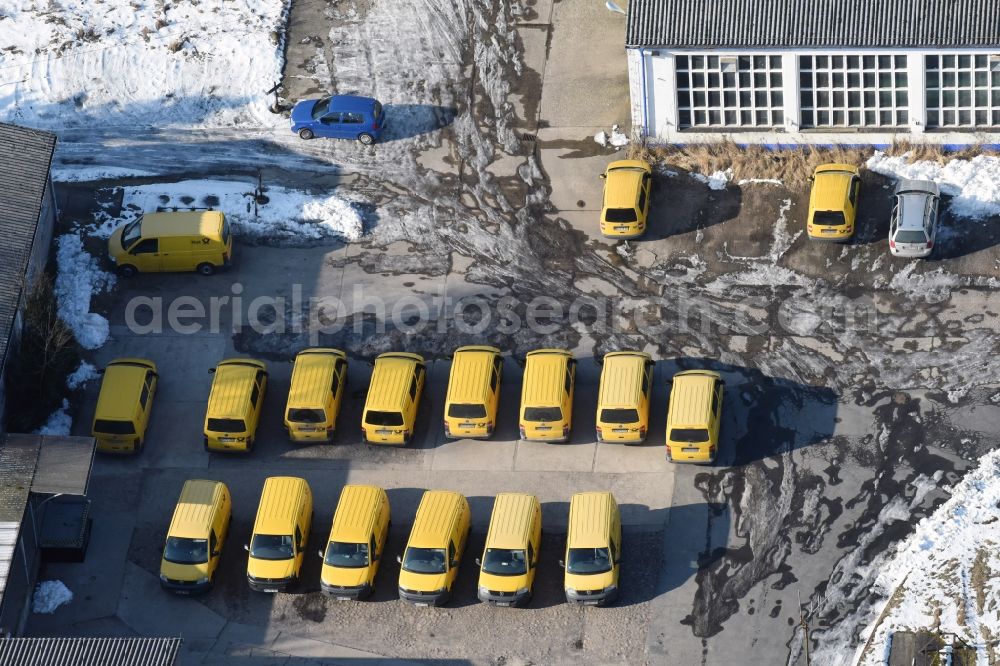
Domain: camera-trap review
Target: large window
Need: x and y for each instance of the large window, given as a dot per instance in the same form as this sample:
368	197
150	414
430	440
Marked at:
729	91
963	90
853	90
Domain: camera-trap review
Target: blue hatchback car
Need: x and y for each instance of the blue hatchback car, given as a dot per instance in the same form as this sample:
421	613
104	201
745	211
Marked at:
339	117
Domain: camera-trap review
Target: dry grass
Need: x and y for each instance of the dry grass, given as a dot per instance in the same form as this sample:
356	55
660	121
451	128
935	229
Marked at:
792	166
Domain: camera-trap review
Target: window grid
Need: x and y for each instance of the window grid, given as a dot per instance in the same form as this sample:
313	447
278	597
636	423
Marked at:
963	90
729	91
861	90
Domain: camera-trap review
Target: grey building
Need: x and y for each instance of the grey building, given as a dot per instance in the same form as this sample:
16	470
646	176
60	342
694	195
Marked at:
27	222
861	71
34	471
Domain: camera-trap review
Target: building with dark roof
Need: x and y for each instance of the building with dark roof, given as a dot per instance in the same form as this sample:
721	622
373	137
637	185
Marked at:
37	472
815	70
27	221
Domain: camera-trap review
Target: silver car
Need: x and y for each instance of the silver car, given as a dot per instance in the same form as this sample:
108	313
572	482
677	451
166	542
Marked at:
914	218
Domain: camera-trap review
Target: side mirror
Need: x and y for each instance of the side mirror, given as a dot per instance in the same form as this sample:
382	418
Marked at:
399	559
320	553
376	558
101	371
479	562
246	547
562	565
599	360
602	175
215	553
211	371
453	564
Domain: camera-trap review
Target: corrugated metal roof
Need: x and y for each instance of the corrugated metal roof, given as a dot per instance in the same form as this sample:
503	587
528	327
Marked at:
64	464
17	468
813	23
89	651
25	157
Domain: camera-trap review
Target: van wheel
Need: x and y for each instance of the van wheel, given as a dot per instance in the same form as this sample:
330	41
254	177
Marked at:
206	268
366	138
127	271
306	133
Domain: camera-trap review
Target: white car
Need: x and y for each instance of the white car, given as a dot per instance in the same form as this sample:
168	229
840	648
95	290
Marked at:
913	226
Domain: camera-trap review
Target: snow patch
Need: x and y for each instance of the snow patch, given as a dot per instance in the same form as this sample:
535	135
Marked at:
50	595
974	184
59	422
617	138
932	286
286	214
715	181
81	376
761	181
79	278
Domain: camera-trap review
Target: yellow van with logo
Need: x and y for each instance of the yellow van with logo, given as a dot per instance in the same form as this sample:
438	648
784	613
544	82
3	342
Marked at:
833	202
124	405
280	534
429	564
510	557
693	416
390	412
357	542
627	192
172	241
317	389
623	397
195	538
234	405
547	396
470	407
593	549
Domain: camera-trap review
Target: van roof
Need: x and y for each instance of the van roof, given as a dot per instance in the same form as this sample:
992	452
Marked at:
435	517
621	379
471	369
510	524
589	520
391	381
279	505
624	178
123	379
691	397
354	517
312	377
830	185
231	387
193	515
544	377
183	223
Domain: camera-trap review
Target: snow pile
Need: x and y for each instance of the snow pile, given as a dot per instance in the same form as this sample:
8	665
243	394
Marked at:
932	286
128	64
285	214
81	376
79	278
974	184
50	595
761	181
945	572
617	139
717	180
59	422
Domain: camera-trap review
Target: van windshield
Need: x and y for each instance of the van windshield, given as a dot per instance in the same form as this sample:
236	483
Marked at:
620	215
384	418
829	218
131	233
505	562
542	414
322	106
588	561
458	411
346	555
424	560
306	415
186	551
108	427
619	416
272	547
692	435
226	425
